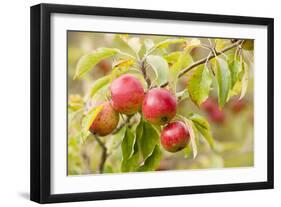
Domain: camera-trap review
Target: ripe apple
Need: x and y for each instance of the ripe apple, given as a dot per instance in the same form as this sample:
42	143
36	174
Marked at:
106	121
175	136
237	105
213	111
127	94
209	105
159	106
217	116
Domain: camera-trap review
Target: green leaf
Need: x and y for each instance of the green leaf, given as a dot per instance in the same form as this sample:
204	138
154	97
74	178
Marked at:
223	78
135	44
164	44
199	84
193	137
191	130
176	68
148	43
88	61
151	162
182	95
245	80
203	126
130	152
188	151
148	139
99	84
168	42
128	144
235	68
116	139
160	68
173	57
88	120
139	130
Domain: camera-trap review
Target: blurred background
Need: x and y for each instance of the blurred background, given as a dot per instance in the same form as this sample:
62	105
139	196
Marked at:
232	127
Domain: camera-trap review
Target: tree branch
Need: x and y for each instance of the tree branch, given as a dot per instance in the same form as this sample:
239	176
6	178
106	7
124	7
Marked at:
146	78
201	61
103	154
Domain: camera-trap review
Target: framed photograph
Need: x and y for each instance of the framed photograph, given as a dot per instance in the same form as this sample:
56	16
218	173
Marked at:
133	103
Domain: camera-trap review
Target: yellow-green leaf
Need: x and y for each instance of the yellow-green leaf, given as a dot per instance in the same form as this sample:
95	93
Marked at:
173	57
88	61
199	84
99	84
165	43
245	80
128	144
148	43
135	44
168	42
160	68
223	78
176	68
130	152
235	68
148	139
191	130
90	117
87	122
153	161
203	126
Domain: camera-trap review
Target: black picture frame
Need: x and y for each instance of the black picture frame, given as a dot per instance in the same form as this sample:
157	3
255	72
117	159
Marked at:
41	99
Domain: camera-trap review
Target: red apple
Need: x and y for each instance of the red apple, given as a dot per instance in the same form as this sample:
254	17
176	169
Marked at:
106	121
127	94
217	116
159	106
175	136
209	105
237	105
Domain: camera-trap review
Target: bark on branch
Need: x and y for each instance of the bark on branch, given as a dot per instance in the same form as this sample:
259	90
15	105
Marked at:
103	154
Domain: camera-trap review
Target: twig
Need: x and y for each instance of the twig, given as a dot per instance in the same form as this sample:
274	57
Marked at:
203	60
103	154
146	78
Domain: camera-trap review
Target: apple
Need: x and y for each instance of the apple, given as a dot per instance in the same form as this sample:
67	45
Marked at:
175	136
127	94
237	105
159	106
106	121
217	116
209	105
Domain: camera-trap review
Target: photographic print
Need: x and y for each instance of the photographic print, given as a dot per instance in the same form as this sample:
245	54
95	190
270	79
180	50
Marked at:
150	103
124	101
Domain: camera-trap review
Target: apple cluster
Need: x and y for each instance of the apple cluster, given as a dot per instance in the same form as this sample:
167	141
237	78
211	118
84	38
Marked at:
158	106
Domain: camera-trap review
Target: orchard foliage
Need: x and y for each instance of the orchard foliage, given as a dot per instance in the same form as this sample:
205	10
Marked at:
133	108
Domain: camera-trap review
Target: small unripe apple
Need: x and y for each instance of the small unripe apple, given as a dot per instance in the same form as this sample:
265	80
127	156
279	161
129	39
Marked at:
175	136
106	121
248	44
127	94
159	106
